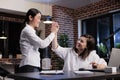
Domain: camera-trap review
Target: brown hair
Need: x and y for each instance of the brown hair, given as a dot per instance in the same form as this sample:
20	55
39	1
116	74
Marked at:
90	46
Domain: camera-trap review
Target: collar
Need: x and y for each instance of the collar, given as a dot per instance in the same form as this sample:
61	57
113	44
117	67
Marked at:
76	54
30	27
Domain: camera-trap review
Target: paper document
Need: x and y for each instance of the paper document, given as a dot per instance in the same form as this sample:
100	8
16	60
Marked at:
52	72
83	72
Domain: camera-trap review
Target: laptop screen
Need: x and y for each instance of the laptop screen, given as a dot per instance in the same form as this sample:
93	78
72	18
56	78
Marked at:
114	60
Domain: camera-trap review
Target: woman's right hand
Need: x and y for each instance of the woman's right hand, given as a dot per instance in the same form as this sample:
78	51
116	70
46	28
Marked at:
98	66
55	27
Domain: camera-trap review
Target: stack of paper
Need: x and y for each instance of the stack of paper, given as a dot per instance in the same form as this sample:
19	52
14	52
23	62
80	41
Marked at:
52	72
83	72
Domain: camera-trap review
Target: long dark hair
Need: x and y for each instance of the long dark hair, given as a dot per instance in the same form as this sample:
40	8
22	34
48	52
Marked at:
33	12
90	46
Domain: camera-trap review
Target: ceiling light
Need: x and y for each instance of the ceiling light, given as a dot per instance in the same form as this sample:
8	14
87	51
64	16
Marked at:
48	20
3	33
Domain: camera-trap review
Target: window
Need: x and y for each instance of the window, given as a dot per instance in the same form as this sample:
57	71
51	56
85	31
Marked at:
116	29
12	29
103	29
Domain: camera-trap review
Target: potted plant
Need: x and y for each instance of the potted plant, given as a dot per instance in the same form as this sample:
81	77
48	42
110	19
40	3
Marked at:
63	40
103	50
118	45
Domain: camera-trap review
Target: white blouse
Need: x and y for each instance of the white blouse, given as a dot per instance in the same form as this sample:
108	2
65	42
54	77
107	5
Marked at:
72	61
29	45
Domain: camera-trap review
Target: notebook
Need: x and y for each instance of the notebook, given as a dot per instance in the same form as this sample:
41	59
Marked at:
52	72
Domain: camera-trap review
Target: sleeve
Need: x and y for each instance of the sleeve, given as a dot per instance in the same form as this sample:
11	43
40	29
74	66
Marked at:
97	59
37	41
61	52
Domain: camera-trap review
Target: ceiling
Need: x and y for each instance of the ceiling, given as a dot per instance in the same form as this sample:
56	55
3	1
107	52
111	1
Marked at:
74	4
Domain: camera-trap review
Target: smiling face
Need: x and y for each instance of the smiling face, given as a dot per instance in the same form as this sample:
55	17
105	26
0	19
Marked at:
84	45
81	44
35	21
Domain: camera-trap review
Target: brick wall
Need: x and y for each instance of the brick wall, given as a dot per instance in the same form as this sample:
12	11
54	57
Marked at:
64	17
97	8
47	29
67	18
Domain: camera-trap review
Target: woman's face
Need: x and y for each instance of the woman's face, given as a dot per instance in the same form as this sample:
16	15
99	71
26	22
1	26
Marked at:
36	20
81	44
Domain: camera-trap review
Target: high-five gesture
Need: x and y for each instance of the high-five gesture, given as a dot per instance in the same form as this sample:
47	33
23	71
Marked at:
54	27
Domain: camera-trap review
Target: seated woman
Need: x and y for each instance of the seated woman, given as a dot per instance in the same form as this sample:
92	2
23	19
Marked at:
82	55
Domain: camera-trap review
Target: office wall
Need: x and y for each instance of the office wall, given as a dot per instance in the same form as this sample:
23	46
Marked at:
98	8
24	5
65	18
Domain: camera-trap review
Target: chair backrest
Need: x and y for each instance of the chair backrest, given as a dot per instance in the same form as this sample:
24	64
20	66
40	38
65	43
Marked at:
4	72
114	60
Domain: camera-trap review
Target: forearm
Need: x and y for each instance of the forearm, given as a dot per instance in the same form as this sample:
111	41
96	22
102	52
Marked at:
55	42
101	66
98	66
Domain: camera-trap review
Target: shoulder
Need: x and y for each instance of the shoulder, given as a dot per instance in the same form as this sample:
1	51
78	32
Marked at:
27	30
65	48
93	56
93	53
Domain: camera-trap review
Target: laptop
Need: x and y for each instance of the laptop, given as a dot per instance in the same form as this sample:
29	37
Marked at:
114	60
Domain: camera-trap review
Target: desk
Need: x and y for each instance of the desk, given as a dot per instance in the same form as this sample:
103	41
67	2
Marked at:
65	76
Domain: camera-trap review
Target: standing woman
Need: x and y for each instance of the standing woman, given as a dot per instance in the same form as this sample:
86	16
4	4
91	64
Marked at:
30	42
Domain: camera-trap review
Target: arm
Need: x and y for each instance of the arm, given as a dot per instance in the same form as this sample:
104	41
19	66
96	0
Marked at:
36	41
98	62
55	42
101	66
60	51
98	65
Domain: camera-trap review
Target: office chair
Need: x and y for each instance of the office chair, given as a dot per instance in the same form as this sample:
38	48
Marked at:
4	72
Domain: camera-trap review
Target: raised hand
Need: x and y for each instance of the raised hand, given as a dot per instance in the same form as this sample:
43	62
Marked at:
54	27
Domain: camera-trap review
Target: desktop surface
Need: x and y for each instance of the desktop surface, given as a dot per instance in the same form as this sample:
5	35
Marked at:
65	76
